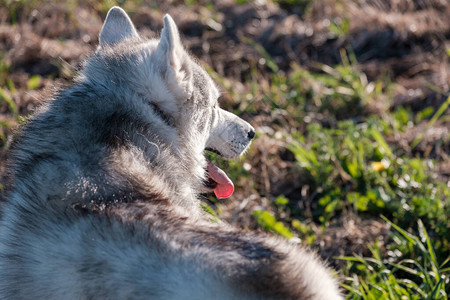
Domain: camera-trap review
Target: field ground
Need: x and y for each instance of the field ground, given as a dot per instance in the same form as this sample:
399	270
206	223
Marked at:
350	100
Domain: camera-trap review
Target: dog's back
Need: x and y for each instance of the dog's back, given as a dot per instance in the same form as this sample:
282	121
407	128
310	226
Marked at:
103	201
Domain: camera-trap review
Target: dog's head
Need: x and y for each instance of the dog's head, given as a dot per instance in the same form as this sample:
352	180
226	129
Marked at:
177	90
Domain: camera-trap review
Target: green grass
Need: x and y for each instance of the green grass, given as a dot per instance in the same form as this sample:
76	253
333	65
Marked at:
7	90
340	145
411	269
326	119
355	168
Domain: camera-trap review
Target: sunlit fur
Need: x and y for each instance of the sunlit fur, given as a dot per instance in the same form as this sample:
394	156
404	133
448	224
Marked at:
102	197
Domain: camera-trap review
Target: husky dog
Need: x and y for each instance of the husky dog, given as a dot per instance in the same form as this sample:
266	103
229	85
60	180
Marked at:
102	199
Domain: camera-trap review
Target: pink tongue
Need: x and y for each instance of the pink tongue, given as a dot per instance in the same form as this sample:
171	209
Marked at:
225	187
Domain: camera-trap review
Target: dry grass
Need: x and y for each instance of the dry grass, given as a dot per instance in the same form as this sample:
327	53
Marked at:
403	44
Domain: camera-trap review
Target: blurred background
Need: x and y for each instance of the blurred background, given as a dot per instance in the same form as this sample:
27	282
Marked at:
350	100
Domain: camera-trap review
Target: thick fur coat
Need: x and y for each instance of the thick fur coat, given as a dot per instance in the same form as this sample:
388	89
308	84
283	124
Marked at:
102	198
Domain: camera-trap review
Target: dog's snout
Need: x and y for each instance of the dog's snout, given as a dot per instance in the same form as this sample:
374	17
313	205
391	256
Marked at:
251	134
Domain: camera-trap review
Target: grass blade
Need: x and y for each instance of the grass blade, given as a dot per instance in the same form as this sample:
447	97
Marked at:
411	238
433	120
423	232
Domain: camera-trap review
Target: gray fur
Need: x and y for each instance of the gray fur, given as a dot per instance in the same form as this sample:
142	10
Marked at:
104	183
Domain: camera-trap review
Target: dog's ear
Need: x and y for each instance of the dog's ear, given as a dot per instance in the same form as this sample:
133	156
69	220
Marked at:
117	27
170	43
173	56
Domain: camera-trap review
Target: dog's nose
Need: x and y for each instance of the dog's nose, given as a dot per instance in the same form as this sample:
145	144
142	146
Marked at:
251	134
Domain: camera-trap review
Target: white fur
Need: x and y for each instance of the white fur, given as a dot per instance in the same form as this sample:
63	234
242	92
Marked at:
103	201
